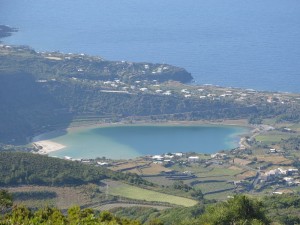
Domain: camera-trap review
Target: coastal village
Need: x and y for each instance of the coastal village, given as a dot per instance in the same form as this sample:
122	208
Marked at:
258	165
133	85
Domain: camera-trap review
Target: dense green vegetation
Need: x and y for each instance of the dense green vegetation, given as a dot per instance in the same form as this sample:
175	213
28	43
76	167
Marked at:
239	210
291	143
25	216
34	195
25	168
27	108
5	200
283	209
167	217
277	209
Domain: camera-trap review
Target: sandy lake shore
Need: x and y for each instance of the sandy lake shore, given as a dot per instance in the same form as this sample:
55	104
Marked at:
45	147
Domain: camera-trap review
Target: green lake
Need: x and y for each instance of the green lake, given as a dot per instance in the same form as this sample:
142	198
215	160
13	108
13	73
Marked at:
125	142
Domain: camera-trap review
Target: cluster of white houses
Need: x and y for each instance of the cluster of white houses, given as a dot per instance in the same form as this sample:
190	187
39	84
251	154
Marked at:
289	176
168	157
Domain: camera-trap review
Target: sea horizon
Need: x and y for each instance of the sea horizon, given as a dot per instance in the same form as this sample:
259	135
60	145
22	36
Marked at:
248	44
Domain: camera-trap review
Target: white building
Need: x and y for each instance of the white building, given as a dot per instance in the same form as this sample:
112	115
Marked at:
179	154
193	158
158	157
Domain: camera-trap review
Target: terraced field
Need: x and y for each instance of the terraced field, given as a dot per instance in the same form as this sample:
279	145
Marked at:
125	205
213	186
271	138
133	192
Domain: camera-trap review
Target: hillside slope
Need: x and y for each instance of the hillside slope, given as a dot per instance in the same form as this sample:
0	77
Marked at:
25	168
41	92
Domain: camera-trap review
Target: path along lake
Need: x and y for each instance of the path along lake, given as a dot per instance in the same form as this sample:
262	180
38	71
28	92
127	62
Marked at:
125	142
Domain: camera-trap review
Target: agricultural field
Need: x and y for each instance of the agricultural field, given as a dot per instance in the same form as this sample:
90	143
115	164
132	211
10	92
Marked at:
152	169
221	172
213	170
242	162
128	165
246	174
219	196
160	180
64	198
259	151
274	159
295	127
213	186
111	206
132	192
272	137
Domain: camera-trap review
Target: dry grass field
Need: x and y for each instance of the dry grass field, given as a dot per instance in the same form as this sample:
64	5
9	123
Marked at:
66	196
275	159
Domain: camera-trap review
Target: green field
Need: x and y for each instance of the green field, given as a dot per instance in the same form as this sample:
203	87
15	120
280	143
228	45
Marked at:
223	172
132	192
271	138
210	171
220	196
213	186
295	127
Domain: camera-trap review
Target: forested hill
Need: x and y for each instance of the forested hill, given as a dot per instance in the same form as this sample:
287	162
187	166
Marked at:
25	168
41	92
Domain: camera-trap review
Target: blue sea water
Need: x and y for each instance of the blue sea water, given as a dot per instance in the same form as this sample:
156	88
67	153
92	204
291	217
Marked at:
237	43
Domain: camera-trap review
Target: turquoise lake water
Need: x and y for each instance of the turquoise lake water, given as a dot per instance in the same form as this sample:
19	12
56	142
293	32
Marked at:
126	142
236	43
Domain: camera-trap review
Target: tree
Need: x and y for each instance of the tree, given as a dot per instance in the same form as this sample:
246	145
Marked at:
236	211
180	185
155	222
197	193
5	200
254	119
